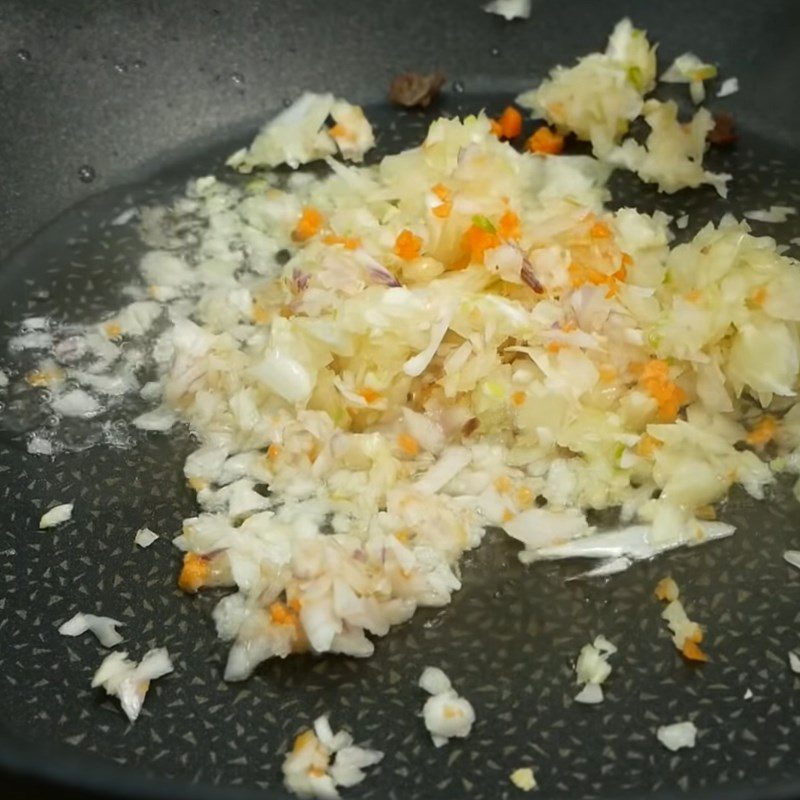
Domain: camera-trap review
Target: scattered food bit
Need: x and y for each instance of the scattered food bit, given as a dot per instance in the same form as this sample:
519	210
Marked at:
298	135
415	90
56	516
104	628
792	557
39	446
509	9
678	735
728	87
307	768
545	142
682	222
772	214
351	131
748	694
602	94
160	419
723	133
667	589
686	634
672	155
130	681
763	432
523	778
688	68
794	662
446	714
509	125
592	669
145	537
125	217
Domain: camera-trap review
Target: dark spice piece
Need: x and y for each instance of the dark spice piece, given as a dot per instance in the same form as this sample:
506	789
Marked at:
470	426
412	90
723	133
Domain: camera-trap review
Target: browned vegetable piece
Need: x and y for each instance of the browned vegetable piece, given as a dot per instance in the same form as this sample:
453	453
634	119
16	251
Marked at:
470	426
723	133
412	89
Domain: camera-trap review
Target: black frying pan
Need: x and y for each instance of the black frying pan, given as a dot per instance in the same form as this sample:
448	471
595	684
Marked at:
106	104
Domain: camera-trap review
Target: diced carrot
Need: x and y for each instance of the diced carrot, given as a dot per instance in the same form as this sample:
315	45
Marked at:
554	347
194	573
607	373
279	613
476	241
763	432
441	191
546	141
369	395
667	590
407	245
518	398
442	211
339	131
600	230
273	452
666	393
308	225
502	484
113	330
524	497
510	123
408	444
508	515
691	651
509	226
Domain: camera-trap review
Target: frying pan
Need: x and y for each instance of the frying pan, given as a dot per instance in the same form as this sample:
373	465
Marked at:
112	104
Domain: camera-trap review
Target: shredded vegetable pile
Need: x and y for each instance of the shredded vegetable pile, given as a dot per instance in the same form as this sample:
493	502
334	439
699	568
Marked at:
384	361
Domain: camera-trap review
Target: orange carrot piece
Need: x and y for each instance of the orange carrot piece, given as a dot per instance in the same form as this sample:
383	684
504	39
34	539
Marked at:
308	225
194	573
509	226
369	395
407	245
510	123
763	432
691	651
408	444
546	141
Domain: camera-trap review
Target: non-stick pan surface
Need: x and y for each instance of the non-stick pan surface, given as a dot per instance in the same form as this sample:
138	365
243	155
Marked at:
137	97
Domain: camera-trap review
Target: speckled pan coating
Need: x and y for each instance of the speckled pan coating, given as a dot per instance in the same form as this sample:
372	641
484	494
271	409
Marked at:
507	640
